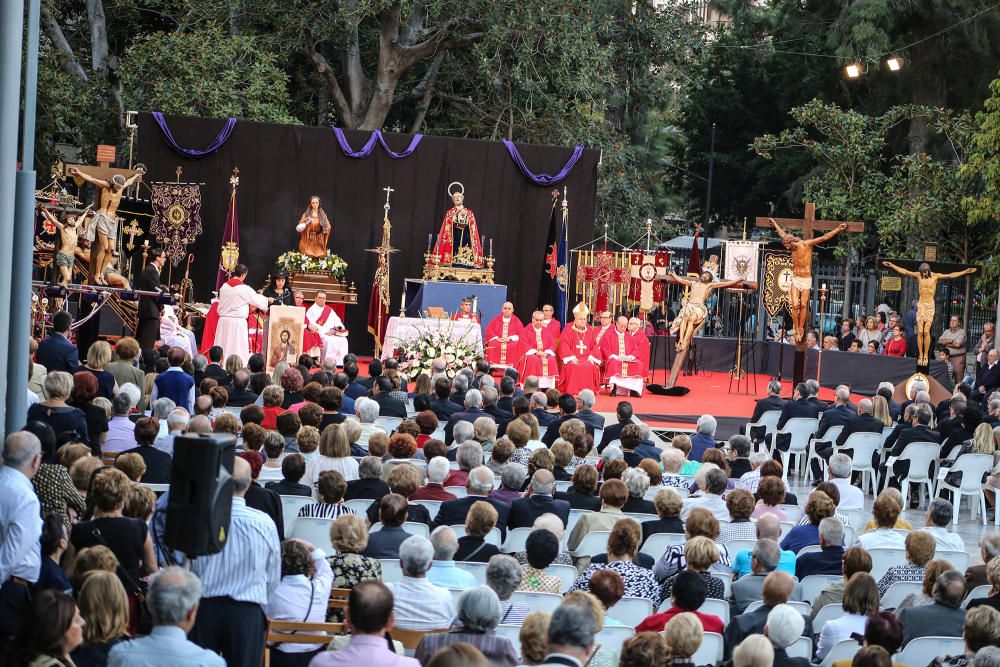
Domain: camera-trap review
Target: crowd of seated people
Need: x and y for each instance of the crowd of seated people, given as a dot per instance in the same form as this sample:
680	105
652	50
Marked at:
419	526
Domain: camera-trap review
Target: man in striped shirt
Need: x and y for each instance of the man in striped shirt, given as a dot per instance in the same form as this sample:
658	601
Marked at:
237	581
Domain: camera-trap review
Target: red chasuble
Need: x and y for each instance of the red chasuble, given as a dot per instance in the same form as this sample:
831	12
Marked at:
580	372
536	346
641	342
499	353
615	347
311	339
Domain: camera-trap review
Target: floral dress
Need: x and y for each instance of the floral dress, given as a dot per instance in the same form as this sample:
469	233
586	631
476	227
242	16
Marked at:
350	570
539	581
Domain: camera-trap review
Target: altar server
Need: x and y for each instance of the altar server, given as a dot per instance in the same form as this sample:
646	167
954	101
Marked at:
235	300
323	321
465	311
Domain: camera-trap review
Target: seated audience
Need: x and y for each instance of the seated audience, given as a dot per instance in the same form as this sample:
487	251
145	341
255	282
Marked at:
763	561
385	543
901	523
981	629
885	511
637	482
419	604
479	522
57	413
503	575
274	451
52	482
582	490
623	547
829	559
856	559
668	507
701	523
608	587
444	571
132	465
778	588
479	613
369	483
104	607
438	469
740	504
989	548
404	480
884	632
818	507
783	628
919	551
330	488
541	549
533	637
993	576
554	525
53	545
716	483
613	495
349	536
687	595
571	632
301	595
293	467
684	634
938	516
860	600
944	618
772	493
512	478
334	454
700	554
649	649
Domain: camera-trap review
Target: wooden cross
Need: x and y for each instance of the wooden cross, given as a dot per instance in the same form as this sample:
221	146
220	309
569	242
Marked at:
809	223
103	170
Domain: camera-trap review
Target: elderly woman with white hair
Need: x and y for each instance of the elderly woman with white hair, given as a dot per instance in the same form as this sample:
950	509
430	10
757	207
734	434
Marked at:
367	412
637	481
468	455
55	412
673	460
438	469
479	614
484	431
784	626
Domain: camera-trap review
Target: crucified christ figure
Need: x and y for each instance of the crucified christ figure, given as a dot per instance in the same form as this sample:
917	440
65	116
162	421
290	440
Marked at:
927	281
802	260
694	311
103	231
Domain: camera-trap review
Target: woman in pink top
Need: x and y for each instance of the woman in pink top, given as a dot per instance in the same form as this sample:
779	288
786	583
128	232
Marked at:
772	493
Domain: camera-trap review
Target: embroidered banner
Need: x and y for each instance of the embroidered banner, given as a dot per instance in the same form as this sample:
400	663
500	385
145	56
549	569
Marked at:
649	270
176	217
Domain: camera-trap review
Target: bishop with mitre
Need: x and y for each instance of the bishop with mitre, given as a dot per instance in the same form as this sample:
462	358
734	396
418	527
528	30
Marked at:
538	350
579	355
325	323
235	300
502	336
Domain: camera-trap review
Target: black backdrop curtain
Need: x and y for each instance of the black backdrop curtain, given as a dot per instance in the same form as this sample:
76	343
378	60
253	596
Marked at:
281	166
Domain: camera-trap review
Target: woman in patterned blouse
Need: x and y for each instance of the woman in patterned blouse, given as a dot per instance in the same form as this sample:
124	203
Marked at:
920	548
349	537
701	553
541	548
740	504
623	546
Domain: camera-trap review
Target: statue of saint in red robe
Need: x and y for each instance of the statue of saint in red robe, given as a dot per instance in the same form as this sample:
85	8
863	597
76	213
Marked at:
458	241
502	336
580	358
619	352
538	350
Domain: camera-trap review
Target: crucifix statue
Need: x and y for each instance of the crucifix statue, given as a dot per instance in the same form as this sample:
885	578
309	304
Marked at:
802	251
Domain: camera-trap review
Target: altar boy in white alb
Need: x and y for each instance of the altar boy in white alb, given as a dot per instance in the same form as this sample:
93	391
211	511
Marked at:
235	300
322	320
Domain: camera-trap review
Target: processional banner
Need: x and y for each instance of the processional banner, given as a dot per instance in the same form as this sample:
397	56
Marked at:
648	273
742	260
176	217
777	281
602	279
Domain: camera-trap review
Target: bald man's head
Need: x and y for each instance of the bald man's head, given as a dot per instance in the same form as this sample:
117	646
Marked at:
543	482
778	587
768	527
242	476
199	424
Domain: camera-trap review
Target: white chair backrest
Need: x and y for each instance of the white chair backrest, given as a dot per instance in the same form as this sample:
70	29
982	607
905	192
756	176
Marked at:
457	491
389	424
715	607
613	636
478	570
736	546
973	467
455	594
810	549
918	650
801	648
642	518
803	608
710	651
786	527
842	650
433	506
511	633
849	533
574	516
831	433
977	592
593	543
392	571
631	610
883	559
563	486
516	540
290	506
598	435
411	527
492	537
801	429
827	613
814	584
863	444
769	420
792	512
567	574
163	488
615	443
958	559
537	601
856	519
920	455
314	531
657	543
359	505
438	434
897	593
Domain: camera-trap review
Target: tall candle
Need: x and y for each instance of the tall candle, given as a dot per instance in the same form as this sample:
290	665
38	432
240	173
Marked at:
491	247
430	239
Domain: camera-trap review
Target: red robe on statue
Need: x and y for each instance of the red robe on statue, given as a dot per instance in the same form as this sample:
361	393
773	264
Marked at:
621	356
500	353
580	360
538	350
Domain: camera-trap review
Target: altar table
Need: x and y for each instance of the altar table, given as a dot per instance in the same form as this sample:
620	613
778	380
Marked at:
401	329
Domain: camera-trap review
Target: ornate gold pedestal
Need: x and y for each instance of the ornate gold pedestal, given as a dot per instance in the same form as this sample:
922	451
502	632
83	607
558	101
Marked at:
434	270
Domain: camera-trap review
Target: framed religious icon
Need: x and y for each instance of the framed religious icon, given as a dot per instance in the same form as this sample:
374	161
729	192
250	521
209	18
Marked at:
285	331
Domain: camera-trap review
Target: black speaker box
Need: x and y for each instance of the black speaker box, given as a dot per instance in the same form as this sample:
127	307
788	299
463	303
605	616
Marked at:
201	494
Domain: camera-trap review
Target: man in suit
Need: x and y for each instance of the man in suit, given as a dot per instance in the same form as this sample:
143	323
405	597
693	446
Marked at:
813	386
157	463
778	588
479	486
614	432
482	369
988	378
388	406
567	411
837	415
830	558
507	388
524	511
374	372
490	407
148	329
442	405
572	630
214	370
944	618
864	422
538	404
800	407
392	513
918	430
240	395
764	560
459	386
57	352
473	411
773	401
585	410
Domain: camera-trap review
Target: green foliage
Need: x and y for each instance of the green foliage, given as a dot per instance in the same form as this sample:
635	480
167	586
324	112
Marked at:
982	204
212	74
69	112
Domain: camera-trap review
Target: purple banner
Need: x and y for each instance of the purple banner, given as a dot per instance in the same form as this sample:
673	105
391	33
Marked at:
369	146
543	179
194	153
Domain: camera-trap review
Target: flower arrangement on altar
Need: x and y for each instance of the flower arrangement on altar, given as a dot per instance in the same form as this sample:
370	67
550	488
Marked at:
417	353
295	262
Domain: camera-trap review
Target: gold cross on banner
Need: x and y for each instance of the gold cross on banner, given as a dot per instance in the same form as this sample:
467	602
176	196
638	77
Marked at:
133	230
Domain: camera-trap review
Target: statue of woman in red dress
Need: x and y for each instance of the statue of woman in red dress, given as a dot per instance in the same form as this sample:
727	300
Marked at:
458	241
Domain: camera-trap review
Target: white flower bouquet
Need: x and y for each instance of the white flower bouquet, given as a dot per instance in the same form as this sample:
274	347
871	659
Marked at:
417	354
296	262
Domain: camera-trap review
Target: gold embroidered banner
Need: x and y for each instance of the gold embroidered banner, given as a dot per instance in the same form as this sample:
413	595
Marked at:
777	279
176	217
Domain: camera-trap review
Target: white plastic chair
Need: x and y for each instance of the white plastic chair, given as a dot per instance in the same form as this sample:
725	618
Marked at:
359	505
511	633
801	648
516	541
411	527
972	467
392	571
613	636
457	491
814	584
389	424
958	559
898	592
863	446
917	650
856	519
792	512
810	549
492	537
433	506
159	488
827	613
786	527
710	651
713	606
631	610
290	506
830	435
598	435
883	559
736	546
801	429
574	516
315	531
438	434
567	575
593	543
920	455
478	570
803	608
537	601
769	420
563	486
842	650
977	592
658	543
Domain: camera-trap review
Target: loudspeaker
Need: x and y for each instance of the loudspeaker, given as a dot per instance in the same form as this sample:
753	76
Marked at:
201	494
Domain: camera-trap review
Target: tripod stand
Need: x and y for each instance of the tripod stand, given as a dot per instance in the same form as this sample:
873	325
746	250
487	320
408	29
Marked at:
738	373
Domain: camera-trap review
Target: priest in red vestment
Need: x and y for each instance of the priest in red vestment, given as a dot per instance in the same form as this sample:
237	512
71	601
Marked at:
641	341
502	336
310	339
465	311
580	358
538	352
606	325
619	352
548	320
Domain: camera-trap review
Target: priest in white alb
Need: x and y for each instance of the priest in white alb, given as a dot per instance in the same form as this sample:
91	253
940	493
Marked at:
174	334
235	300
324	322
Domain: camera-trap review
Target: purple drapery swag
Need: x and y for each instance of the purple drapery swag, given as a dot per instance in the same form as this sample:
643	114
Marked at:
230	255
543	179
369	146
194	153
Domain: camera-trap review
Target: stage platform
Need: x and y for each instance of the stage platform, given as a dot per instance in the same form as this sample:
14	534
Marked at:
709	394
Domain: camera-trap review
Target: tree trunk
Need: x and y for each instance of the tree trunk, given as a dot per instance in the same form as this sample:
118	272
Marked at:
929	85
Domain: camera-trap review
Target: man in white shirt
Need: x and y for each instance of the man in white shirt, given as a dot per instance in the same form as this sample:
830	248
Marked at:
324	322
20	527
419	604
715	485
851	497
939	515
177	422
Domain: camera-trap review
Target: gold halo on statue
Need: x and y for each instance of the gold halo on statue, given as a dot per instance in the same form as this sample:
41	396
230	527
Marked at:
459	184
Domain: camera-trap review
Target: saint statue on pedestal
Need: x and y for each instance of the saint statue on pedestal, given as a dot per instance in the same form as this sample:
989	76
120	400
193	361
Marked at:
314	229
459	243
